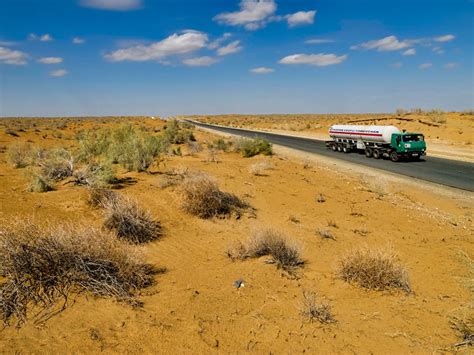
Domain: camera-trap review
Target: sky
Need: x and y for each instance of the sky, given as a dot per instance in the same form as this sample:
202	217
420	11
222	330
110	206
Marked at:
185	57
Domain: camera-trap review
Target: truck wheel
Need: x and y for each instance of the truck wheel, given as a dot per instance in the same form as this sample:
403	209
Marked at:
376	154
339	147
368	152
394	156
346	149
333	147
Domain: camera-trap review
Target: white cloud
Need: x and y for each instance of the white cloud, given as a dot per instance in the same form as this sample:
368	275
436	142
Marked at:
390	43
58	73
175	44
397	65
50	60
262	70
301	18
253	14
113	5
78	40
200	61
445	38
319	60
217	42
232	47
451	65
425	65
319	41
46	38
8	56
438	50
7	43
411	51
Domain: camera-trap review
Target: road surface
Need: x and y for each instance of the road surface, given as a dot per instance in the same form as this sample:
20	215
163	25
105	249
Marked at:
447	172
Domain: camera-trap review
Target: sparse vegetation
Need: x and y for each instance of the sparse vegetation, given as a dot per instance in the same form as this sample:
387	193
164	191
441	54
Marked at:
251	147
129	221
100	197
43	265
285	254
40	183
19	155
311	310
95	174
202	197
464	327
376	269
57	165
259	169
325	234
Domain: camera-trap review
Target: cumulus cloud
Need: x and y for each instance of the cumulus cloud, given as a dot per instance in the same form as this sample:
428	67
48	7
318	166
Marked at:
78	40
253	14
319	41
50	60
175	44
445	38
113	5
390	43
217	42
43	38
7	43
262	70
200	61
301	18
232	47
319	60
58	73
451	65
425	65
438	50
411	51
8	56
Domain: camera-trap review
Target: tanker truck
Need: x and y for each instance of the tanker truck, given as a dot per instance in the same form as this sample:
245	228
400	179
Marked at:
377	141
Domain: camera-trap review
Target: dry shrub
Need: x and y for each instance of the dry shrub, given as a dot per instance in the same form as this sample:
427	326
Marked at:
129	221
376	269
98	196
202	197
19	155
40	183
311	310
464	327
58	165
259	169
40	266
95	174
285	254
325	234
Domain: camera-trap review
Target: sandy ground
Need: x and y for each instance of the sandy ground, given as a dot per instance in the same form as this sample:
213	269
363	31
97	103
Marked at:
451	138
194	308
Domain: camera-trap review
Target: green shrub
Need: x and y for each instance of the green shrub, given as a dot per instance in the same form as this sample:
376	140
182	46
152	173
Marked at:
220	144
92	143
176	134
251	147
57	165
95	174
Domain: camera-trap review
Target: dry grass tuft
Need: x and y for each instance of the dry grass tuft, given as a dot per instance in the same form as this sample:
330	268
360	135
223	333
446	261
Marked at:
311	310
464	327
129	221
99	197
259	169
19	155
202	197
325	234
40	266
376	269
285	254
40	183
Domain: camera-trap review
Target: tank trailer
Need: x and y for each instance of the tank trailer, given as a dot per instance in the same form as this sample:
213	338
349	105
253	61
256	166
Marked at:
377	141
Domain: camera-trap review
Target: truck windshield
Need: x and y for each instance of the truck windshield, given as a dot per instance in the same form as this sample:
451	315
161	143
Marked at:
413	138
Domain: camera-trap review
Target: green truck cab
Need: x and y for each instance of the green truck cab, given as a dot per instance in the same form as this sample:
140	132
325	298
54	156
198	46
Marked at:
407	145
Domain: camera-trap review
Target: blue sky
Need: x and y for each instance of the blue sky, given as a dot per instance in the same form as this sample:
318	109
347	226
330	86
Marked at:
180	57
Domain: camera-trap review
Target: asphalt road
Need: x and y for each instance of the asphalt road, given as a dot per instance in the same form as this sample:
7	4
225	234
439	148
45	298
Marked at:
447	172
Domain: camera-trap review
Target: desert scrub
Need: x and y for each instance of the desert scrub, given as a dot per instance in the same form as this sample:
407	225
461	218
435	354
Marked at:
100	197
129	221
201	196
19	155
39	183
259	169
375	269
311	310
97	174
251	147
41	266
92	143
58	164
285	254
178	133
220	144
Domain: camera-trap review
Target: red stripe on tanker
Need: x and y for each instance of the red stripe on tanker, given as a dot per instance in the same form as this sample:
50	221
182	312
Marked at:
379	134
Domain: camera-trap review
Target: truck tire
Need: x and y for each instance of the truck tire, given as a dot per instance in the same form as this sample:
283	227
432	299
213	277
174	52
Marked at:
394	156
339	147
376	154
368	152
346	148
333	147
